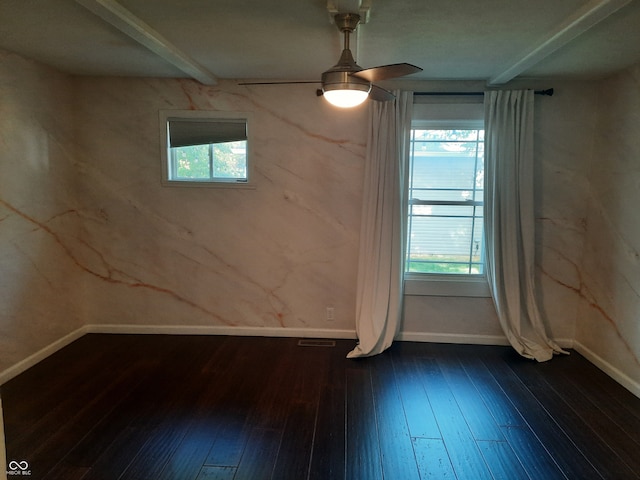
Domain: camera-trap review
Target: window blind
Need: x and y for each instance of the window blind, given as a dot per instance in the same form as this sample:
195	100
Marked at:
187	132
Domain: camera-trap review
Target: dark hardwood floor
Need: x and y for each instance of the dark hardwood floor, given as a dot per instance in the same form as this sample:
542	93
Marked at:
193	407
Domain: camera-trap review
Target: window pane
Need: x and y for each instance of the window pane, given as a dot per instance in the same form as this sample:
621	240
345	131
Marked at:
191	162
211	161
455	211
451	195
446	195
442	134
439	170
443	236
230	160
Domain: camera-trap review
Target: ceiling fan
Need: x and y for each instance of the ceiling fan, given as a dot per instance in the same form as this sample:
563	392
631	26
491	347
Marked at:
347	84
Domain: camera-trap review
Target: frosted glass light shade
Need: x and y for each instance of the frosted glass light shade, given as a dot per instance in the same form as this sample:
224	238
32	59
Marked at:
346	98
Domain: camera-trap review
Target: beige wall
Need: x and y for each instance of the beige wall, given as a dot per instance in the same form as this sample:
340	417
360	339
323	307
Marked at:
608	322
39	218
565	129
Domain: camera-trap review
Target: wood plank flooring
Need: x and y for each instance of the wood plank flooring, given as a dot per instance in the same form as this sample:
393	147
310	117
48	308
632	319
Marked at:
221	408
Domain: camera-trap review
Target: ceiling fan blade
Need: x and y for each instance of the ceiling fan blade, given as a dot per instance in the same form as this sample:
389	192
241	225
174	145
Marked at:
385	72
380	94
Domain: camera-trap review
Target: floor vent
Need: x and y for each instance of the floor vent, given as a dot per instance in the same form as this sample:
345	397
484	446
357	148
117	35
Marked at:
316	343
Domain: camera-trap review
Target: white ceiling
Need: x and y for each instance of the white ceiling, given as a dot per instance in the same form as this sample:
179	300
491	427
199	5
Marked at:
490	40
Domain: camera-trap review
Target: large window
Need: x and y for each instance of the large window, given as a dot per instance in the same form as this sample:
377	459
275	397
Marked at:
445	201
445	250
205	149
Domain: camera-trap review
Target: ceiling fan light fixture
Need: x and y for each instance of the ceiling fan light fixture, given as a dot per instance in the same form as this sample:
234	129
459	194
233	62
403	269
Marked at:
347	84
346	95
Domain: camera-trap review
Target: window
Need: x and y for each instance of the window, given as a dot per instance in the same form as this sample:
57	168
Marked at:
445	201
205	148
445	243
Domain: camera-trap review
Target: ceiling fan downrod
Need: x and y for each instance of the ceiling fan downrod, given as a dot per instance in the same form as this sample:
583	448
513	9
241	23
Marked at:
339	77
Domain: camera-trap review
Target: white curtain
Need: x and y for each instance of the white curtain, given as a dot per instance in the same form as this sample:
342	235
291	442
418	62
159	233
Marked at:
383	227
509	221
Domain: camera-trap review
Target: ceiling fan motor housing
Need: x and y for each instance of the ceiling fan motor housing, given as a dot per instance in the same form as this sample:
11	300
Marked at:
343	80
341	74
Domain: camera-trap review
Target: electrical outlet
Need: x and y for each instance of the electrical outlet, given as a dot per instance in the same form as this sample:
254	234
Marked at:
330	314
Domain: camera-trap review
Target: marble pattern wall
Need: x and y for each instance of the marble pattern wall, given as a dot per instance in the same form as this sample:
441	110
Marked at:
275	256
564	141
39	283
608	322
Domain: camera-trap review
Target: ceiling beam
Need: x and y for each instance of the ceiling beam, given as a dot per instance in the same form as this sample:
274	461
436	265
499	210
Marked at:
573	26
125	21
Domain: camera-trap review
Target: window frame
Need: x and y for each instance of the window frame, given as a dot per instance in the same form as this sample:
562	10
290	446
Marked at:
210	116
446	116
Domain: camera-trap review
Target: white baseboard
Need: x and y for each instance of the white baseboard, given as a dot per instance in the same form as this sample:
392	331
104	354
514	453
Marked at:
452	338
614	372
565	342
40	355
222	330
467	339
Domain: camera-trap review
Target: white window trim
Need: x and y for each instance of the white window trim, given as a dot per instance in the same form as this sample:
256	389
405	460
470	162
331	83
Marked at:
426	284
447	116
165	115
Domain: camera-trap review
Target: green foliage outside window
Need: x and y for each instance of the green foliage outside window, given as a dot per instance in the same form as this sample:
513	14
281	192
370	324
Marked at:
204	162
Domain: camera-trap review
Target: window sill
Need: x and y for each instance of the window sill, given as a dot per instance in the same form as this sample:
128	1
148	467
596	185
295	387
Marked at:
446	285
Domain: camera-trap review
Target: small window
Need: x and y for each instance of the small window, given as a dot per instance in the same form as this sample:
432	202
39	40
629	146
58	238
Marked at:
205	149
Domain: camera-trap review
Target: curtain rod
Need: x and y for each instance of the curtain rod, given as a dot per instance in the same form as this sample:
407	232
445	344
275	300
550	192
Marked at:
548	92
